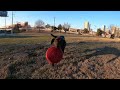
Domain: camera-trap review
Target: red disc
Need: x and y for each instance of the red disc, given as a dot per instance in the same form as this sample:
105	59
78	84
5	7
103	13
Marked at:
54	55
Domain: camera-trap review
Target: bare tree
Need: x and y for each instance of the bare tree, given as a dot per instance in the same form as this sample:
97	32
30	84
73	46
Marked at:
60	27
66	27
39	24
47	26
112	28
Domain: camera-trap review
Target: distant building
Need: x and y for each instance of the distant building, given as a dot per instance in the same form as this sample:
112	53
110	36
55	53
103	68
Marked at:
73	30
19	25
104	28
87	26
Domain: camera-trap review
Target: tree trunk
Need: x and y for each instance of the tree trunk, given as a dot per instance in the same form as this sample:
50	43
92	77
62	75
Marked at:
60	30
39	30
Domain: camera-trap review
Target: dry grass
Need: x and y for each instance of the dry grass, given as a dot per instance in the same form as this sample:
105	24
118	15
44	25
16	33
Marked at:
23	39
85	57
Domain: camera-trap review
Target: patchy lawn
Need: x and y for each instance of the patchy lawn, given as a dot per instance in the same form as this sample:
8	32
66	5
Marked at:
85	57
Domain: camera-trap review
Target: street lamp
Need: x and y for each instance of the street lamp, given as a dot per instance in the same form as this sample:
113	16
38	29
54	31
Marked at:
12	23
5	24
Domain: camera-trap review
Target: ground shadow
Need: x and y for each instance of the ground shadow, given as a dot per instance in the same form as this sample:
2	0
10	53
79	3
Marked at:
75	43
99	51
86	42
103	51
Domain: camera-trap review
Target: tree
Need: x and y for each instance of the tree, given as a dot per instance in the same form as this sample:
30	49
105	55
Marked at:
79	31
60	27
53	28
99	32
111	26
47	26
39	24
66	27
85	30
113	29
16	29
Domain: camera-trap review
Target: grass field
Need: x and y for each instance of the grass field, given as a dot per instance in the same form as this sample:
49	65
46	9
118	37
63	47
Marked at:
23	39
85	57
42	37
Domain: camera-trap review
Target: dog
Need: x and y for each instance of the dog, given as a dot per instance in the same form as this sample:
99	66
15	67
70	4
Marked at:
58	42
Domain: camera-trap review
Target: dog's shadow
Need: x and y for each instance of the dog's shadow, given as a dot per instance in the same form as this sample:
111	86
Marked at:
103	51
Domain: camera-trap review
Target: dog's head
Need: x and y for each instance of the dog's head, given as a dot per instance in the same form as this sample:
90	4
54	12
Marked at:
58	41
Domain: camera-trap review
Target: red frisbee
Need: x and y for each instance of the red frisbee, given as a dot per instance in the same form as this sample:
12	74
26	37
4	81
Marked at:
54	55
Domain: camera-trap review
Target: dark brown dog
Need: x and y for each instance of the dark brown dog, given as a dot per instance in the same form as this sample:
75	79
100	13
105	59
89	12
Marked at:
59	42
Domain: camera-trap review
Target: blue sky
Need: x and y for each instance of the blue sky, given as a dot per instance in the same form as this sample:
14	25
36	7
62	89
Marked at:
75	18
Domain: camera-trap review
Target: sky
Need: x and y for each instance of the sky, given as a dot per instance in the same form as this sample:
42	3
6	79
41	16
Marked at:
75	18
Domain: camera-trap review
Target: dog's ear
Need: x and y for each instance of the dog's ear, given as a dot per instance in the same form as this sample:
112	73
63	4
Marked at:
53	36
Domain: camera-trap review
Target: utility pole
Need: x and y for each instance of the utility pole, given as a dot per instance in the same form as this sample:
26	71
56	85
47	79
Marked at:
54	23
12	23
